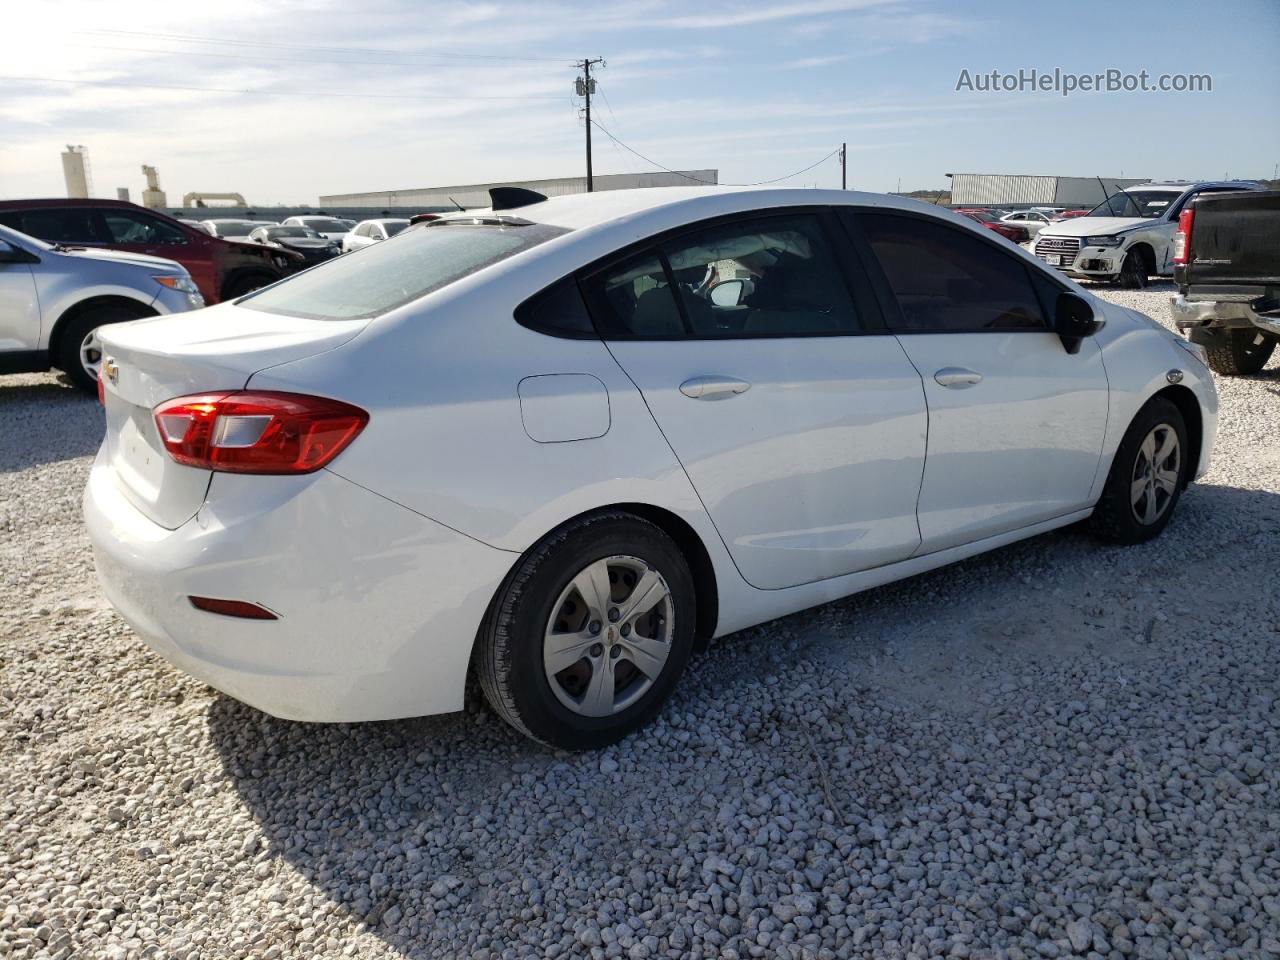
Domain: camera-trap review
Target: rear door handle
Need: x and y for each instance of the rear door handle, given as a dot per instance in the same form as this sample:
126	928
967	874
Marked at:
957	378
713	388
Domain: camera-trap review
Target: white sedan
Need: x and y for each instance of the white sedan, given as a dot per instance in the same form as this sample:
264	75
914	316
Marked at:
541	446
1033	221
368	232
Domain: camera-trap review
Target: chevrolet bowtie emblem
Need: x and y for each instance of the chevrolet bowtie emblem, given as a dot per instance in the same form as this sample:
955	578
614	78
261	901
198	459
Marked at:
111	370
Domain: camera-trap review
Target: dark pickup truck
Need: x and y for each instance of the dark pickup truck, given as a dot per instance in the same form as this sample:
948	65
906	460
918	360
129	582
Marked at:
1227	267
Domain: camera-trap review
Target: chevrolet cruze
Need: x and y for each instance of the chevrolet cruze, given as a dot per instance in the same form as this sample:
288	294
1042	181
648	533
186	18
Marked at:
556	445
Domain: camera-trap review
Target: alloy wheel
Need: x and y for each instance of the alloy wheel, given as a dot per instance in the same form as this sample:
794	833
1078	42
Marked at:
609	636
91	353
1156	472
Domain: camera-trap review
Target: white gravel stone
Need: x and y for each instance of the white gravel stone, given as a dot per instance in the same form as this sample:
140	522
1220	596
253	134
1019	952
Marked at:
1058	749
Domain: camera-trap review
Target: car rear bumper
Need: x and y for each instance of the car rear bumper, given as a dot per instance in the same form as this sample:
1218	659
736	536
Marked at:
1190	315
378	606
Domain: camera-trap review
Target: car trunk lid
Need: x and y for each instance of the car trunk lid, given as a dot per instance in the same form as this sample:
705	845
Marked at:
147	362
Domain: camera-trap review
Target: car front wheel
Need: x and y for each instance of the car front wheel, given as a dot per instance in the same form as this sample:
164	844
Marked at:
1147	476
589	633
79	350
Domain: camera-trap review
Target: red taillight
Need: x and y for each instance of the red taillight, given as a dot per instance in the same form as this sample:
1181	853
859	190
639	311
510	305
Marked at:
257	431
1182	240
102	390
233	608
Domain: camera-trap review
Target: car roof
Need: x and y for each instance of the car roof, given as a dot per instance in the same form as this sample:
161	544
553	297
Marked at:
1178	186
580	210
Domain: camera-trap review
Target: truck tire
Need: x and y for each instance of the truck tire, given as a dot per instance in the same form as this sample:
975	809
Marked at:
1239	352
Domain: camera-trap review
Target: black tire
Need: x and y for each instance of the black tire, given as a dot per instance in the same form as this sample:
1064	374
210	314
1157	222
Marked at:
66	352
1239	352
1133	272
509	656
1115	517
246	283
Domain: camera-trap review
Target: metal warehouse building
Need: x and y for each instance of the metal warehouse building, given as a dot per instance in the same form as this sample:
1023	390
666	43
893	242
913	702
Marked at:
995	189
477	194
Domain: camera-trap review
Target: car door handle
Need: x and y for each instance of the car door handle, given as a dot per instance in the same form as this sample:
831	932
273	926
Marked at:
957	378
713	388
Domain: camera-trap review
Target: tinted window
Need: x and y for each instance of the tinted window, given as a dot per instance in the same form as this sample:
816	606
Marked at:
126	227
558	311
55	224
392	229
946	280
388	275
763	277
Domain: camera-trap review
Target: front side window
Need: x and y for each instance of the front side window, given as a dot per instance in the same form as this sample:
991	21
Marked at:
946	281
771	276
389	275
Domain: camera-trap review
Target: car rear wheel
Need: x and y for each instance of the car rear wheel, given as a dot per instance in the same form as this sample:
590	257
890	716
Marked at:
1239	352
589	633
1147	476
79	350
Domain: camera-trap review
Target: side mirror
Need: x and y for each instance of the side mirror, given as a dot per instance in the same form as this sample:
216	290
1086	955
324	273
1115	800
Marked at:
727	293
1073	320
11	254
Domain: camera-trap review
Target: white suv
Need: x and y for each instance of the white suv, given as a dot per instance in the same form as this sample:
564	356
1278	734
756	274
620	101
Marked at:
54	298
1129	236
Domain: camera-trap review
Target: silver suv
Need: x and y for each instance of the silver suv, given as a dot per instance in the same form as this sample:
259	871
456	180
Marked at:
53	299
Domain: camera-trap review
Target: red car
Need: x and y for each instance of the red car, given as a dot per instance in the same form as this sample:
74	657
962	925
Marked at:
1006	230
222	269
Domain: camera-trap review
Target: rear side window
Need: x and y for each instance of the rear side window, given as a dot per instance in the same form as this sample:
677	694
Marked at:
557	311
389	275
946	281
56	224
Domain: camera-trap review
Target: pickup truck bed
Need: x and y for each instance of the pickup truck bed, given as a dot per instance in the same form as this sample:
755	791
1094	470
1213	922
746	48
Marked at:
1228	275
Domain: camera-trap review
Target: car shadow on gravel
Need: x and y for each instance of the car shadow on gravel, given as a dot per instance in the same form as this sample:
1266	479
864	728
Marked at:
46	421
406	827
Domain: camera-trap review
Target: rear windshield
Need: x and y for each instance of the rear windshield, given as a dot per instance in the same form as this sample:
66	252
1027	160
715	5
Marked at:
390	274
333	226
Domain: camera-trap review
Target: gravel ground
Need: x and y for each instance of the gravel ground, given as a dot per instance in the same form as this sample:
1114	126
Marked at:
1057	749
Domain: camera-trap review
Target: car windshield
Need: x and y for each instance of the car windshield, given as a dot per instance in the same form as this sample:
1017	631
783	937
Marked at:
1136	203
275	233
332	226
389	275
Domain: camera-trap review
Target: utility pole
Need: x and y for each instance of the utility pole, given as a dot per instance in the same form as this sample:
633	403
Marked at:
584	86
844	167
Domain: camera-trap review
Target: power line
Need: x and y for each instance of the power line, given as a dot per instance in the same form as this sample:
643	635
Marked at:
190	38
280	93
711	183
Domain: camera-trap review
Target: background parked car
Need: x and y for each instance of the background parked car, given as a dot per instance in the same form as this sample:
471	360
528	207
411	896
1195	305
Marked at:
222	269
300	240
235	229
1010	231
332	228
1129	236
368	232
53	299
1033	221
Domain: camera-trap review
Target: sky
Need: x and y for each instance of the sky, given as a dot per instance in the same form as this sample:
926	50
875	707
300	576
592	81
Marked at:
285	100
